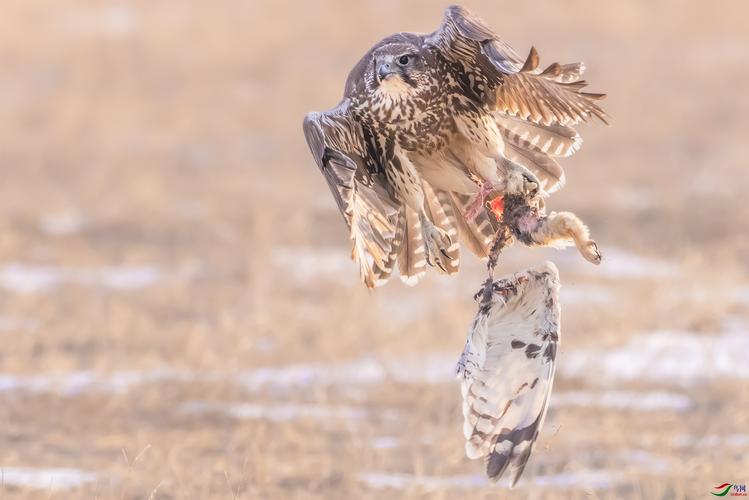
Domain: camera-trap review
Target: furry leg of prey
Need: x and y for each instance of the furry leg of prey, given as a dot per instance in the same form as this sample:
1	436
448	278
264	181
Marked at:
507	368
565	226
529	223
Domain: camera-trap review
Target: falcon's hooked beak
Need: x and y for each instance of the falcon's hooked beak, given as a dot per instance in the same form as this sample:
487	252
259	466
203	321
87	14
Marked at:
387	68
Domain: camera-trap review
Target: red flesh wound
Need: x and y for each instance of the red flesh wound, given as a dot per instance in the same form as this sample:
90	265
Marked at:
497	206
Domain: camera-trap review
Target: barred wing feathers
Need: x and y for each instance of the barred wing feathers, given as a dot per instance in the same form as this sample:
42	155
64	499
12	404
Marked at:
544	100
507	369
360	190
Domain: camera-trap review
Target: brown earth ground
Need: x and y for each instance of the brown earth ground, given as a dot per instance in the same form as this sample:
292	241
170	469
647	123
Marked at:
161	140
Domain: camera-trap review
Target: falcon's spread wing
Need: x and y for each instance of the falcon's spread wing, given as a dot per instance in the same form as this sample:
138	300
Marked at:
507	368
535	110
359	188
544	98
466	39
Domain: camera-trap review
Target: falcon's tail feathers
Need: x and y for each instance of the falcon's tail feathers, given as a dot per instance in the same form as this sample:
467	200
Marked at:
477	234
442	214
412	261
381	272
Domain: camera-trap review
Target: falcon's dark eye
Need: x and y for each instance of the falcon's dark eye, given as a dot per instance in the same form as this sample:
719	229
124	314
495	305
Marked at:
403	60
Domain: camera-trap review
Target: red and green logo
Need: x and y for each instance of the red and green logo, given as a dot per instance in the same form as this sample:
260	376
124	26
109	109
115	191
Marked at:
735	490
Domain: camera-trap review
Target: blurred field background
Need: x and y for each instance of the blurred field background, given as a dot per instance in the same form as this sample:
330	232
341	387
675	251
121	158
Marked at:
179	317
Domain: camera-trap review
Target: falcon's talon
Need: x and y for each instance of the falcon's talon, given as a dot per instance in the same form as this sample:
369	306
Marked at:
531	188
519	180
436	243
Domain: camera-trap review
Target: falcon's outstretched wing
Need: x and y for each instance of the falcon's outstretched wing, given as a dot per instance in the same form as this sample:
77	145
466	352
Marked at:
535	110
467	40
507	368
359	188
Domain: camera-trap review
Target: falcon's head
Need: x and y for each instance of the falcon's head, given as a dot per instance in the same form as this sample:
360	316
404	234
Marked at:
396	74
400	68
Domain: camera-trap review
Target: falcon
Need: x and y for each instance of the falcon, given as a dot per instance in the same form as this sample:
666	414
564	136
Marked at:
433	125
507	368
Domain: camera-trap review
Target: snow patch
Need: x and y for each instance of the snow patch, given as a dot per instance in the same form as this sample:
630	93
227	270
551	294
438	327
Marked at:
21	278
712	441
572	294
274	412
38	478
670	357
61	224
588	479
74	383
307	264
618	263
623	400
384	442
429	368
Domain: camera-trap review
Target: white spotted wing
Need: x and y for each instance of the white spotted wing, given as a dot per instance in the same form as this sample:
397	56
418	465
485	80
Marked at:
507	368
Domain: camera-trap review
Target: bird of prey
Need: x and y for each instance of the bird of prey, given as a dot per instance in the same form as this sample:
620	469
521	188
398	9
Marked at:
507	368
429	127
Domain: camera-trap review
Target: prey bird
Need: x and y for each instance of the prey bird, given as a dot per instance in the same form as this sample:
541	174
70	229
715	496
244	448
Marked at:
433	125
507	368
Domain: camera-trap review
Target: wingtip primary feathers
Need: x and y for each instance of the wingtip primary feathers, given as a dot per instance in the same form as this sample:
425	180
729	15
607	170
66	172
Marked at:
531	62
313	134
554	70
551	96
